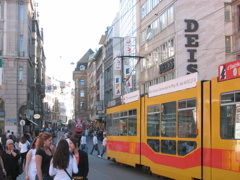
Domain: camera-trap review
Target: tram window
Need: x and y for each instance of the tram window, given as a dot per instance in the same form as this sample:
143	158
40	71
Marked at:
132	126
168	119
230	121
182	104
109	125
115	115
230	116
132	112
185	147
123	113
187	119
153	121
154	108
154	144
115	128
123	126
237	97
168	146
191	103
227	98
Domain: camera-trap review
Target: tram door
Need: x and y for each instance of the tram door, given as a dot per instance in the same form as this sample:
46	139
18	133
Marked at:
225	128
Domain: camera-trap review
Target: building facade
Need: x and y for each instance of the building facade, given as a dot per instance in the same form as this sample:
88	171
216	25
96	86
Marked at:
81	76
58	103
23	65
177	38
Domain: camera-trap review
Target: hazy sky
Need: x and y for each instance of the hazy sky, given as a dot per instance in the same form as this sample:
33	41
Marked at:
70	28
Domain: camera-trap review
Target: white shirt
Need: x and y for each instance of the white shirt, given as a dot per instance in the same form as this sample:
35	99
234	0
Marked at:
60	174
95	141
83	140
24	147
104	143
32	171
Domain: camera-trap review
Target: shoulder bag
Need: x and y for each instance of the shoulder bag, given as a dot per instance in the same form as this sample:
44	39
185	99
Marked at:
68	174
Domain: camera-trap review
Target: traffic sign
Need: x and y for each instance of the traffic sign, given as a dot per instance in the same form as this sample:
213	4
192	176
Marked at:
22	122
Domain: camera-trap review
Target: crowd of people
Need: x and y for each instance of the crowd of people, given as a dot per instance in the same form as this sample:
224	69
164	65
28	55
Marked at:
42	160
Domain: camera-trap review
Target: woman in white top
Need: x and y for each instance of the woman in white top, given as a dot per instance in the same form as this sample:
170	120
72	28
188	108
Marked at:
30	168
63	162
23	146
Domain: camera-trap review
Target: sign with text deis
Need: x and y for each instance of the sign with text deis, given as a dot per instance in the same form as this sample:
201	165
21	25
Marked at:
229	70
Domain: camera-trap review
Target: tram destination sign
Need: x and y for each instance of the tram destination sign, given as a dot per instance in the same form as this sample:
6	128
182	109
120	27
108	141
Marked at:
229	70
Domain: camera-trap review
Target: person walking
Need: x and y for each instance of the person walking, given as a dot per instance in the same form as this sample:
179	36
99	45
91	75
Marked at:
44	155
3	140
14	137
30	167
81	158
95	144
83	145
23	146
2	171
63	162
104	144
10	158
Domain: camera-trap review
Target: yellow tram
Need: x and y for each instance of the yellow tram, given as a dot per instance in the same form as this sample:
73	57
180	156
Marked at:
183	129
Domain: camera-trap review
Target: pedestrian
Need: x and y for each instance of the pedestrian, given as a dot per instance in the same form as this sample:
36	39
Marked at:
95	144
104	145
10	159
44	155
3	140
8	133
83	145
63	162
23	146
67	136
13	136
2	171
30	167
81	158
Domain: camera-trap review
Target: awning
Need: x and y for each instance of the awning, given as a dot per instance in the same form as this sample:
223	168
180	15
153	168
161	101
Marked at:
33	122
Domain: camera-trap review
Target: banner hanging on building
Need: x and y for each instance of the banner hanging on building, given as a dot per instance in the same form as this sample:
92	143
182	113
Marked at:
0	73
128	46
117	60
117	84
127	75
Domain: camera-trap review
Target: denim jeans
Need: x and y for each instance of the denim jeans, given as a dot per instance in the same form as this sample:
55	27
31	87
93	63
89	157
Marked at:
95	147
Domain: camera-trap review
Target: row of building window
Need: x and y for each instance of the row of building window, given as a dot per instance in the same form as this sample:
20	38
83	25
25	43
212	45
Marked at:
159	55
161	23
147	7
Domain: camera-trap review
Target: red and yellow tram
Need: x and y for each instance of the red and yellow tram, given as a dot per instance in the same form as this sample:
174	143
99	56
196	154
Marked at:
189	134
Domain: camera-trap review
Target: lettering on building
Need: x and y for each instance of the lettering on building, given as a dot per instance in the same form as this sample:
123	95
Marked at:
166	66
192	44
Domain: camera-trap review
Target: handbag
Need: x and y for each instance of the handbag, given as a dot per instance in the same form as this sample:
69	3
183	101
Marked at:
68	174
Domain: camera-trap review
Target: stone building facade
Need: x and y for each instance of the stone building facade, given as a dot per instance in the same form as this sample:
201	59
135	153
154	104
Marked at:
81	78
23	65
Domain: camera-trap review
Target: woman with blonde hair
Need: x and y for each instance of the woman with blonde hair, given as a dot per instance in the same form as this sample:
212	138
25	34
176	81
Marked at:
44	155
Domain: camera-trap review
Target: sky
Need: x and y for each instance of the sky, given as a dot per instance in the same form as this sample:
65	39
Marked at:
71	28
